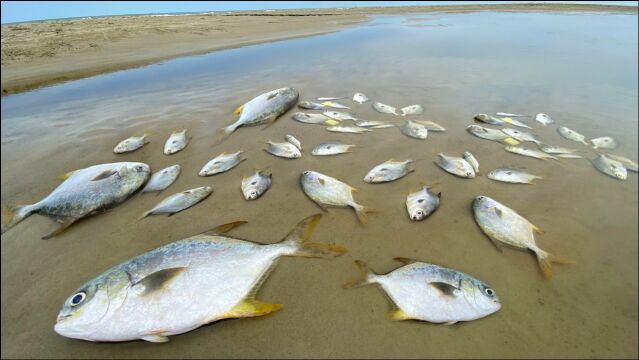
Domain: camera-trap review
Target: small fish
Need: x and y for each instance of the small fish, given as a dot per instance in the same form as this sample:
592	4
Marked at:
515	122
294	141
610	167
503	225
335	105
388	171
327	191
414	130
180	201
330	98
521	135
314	119
421	204
162	179
347	129
331	149
627	163
529	152
221	163
509	114
605	142
456	166
489	119
569	156
131	144
382	126
383	108
360	98
512	175
176	142
370	123
257	184
472	161
427	292
430	125
491	134
544	119
284	150
341	116
309	105
411	110
571	135
549	149
183	285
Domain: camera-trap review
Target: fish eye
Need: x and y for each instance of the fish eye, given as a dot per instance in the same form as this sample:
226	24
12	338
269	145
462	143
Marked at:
421	200
77	298
139	168
489	292
468	174
174	142
254	182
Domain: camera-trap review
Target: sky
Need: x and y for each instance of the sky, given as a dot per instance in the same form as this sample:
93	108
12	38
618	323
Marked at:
19	11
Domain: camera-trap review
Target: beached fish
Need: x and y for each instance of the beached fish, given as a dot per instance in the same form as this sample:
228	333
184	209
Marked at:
331	149
314	119
388	171
371	123
176	142
571	135
544	119
162	179
605	142
430	125
472	161
327	191
521	135
512	175
504	226
263	109
309	105
427	292
382	126
131	144
360	98
284	150
180	201
515	122
294	141
383	108
335	105
338	115
610	167
550	149
569	156
221	163
456	166
509	114
414	130
489	119
84	192
421	204
347	129
183	285
627	163
529	152
411	110
255	185
491	134
330	98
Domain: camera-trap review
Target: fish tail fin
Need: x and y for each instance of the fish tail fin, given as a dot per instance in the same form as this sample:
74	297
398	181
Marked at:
545	260
367	276
145	214
144	136
362	212
12	215
298	239
225	132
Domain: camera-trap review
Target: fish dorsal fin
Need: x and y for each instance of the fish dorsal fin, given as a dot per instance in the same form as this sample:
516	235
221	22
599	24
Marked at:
224	228
498	212
105	175
405	260
156	281
445	288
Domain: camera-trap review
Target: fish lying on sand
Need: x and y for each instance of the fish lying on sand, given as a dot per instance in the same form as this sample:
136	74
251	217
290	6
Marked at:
330	98
430	125
489	119
571	135
340	116
605	142
627	163
515	122
411	110
162	179
284	150
294	141
610	167
388	171
347	129
512	175
422	203
257	184
371	123
414	130
509	114
314	119
385	109
335	105
331	149
183	285
131	144
504	226
521	135
550	149
360	98
456	166
472	160
84	192
221	163
176	142
544	119
180	201
309	105
427	292
529	152
491	134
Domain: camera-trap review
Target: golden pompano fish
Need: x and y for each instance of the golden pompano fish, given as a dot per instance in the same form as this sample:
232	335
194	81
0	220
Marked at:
183	285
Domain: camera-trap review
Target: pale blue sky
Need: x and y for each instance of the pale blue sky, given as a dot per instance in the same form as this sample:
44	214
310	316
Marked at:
18	11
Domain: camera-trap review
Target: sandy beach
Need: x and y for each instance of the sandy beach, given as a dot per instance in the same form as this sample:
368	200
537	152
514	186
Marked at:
47	52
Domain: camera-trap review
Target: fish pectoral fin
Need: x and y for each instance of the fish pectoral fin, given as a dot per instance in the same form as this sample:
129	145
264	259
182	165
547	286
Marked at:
154	338
224	228
445	288
67	175
405	260
239	109
536	228
105	175
251	308
399	315
156	281
65	222
331	122
498	212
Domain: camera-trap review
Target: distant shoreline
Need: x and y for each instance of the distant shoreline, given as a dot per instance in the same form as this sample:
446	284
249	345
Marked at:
46	52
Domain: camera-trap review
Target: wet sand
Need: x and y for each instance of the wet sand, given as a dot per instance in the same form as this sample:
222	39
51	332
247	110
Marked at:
586	310
48	52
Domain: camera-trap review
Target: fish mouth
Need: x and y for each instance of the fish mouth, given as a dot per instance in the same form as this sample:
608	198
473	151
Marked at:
61	318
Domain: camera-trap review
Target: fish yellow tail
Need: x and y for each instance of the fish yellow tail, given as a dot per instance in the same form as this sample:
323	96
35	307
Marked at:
545	259
12	215
299	239
362	212
366	278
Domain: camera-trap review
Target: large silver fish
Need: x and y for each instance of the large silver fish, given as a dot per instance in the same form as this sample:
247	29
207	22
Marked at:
83	193
388	171
610	167
183	285
162	179
180	201
263	109
456	166
421	204
427	292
